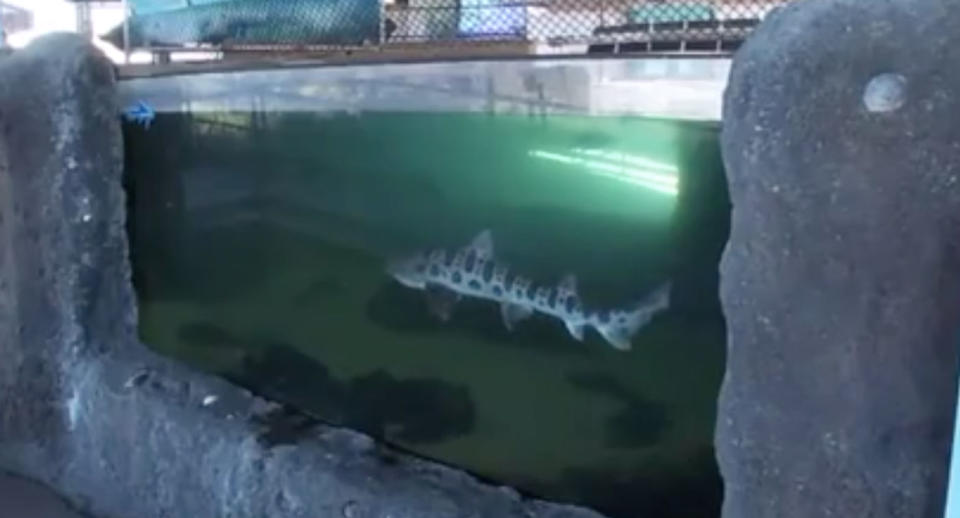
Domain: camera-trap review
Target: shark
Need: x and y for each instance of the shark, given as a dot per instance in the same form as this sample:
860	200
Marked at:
474	271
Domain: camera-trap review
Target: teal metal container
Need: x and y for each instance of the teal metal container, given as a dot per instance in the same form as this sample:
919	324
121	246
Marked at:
141	7
673	12
253	22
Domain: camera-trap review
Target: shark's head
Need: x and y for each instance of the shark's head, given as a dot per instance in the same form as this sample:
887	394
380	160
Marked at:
411	270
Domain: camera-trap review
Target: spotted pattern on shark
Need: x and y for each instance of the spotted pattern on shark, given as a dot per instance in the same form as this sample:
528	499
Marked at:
473	271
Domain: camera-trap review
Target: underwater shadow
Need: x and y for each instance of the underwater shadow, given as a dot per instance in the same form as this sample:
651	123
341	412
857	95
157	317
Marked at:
399	309
205	335
413	410
695	491
639	423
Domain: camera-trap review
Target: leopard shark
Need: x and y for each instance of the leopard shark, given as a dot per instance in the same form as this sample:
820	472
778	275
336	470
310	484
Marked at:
474	271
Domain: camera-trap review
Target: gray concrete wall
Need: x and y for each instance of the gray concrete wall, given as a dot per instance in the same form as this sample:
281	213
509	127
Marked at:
24	499
841	279
88	411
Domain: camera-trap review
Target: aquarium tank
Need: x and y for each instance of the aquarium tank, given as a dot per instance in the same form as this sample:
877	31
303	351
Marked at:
505	266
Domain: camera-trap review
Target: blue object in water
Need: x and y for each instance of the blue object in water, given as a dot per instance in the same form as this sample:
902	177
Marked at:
952	509
140	113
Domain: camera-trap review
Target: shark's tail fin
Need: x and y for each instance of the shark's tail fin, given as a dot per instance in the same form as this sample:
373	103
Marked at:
619	327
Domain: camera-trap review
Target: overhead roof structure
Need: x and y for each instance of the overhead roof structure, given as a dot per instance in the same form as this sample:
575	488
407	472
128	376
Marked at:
14	19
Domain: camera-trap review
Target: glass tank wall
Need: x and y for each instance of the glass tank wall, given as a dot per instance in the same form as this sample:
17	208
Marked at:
509	267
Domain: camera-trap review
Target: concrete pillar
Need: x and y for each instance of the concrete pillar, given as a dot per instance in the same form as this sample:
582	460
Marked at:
841	279
84	20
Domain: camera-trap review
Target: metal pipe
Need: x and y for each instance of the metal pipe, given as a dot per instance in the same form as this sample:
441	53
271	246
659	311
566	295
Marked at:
3	32
84	21
126	32
380	22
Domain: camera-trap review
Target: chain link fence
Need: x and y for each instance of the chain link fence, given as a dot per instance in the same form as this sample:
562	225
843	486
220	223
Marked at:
548	26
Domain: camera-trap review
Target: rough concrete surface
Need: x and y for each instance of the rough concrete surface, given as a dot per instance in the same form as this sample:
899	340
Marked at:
116	430
841	280
23	499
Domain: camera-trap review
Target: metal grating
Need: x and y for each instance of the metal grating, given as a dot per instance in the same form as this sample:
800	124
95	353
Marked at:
572	26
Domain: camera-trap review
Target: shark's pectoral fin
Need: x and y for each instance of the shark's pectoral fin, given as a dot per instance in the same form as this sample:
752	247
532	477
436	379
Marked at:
513	313
441	301
617	336
576	330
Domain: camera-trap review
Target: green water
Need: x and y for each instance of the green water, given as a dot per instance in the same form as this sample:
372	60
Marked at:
259	246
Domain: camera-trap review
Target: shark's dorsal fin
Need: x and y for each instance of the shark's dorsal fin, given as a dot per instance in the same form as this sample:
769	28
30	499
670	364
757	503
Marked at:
483	244
569	283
